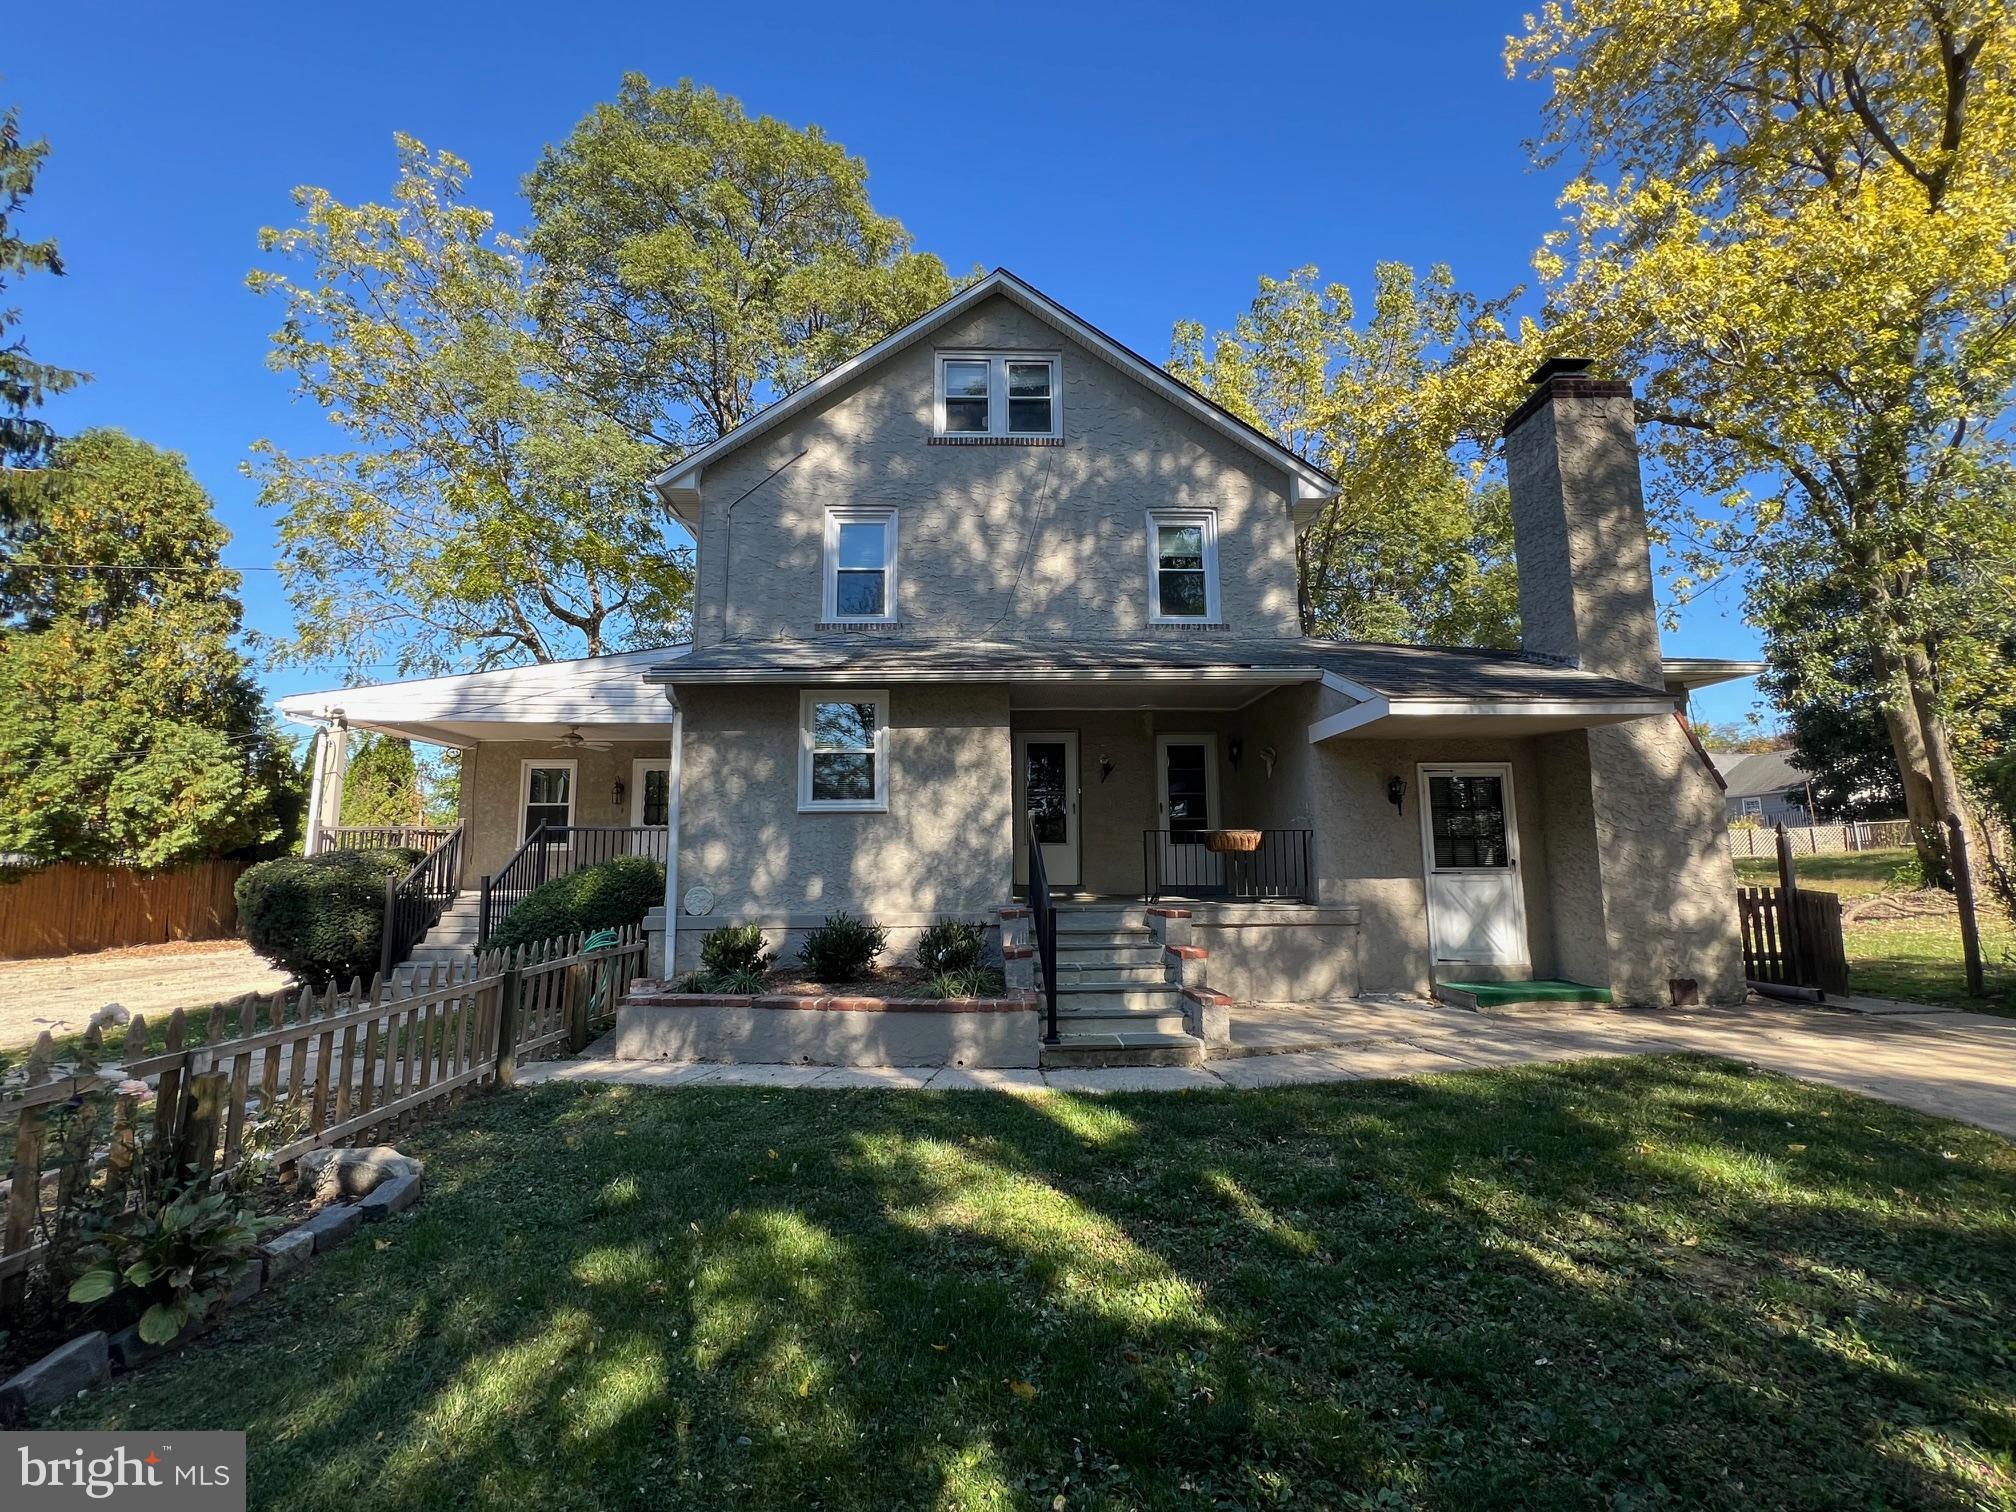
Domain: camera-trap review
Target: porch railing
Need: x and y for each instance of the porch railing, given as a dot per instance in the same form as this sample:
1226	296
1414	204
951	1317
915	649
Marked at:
423	837
559	850
1043	928
415	901
1179	864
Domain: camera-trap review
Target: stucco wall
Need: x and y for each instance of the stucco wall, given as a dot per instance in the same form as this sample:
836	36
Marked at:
1669	887
966	567
942	848
491	775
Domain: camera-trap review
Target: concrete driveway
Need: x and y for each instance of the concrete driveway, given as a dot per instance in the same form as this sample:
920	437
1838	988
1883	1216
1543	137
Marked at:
1957	1065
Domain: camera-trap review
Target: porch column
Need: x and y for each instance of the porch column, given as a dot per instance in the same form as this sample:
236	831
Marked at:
662	955
325	788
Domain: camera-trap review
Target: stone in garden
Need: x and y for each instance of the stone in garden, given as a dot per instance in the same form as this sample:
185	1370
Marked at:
288	1251
394	1196
246	1286
331	1227
111	1016
129	1351
351	1173
57	1377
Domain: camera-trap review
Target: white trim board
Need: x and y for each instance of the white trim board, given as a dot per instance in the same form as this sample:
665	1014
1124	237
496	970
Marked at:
1310	486
1384	717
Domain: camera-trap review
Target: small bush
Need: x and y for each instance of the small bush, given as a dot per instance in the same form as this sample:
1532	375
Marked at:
973	982
741	981
842	948
735	948
1911	873
173	1264
320	917
607	895
951	945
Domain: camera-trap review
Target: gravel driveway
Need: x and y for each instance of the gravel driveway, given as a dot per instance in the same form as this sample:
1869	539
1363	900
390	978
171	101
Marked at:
60	994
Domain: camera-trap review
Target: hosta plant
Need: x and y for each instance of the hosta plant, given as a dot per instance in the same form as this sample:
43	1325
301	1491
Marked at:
172	1264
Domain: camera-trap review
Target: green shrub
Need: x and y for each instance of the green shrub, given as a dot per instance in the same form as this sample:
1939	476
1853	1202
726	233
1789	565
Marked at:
735	948
951	945
320	917
1910	873
842	948
972	982
607	895
740	981
174	1263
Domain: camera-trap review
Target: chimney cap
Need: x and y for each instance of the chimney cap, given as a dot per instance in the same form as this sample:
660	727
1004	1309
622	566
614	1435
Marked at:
1560	367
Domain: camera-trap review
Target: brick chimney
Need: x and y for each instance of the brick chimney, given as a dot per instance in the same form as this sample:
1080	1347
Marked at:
1578	524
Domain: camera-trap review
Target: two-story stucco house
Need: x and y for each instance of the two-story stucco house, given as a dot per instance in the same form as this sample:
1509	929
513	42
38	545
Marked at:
999	582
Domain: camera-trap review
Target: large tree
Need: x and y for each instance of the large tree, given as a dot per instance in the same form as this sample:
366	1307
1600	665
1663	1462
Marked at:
487	512
381	784
131	728
696	262
1792	222
1403	408
25	439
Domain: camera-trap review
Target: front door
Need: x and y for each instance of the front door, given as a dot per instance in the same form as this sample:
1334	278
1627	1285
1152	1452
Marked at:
1186	793
1470	840
1046	799
650	804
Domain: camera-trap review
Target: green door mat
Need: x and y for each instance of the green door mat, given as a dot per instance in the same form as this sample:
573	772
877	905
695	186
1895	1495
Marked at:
1497	994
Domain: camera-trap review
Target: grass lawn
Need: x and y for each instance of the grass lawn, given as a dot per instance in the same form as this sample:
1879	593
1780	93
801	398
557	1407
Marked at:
1914	959
1605	1284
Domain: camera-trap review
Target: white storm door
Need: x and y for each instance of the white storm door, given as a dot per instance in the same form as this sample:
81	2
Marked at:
1470	843
1186	799
1046	799
650	803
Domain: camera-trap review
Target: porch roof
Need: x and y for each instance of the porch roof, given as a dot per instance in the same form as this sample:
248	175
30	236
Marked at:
539	702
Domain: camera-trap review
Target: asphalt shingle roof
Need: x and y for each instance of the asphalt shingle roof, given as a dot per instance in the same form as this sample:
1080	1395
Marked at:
1393	671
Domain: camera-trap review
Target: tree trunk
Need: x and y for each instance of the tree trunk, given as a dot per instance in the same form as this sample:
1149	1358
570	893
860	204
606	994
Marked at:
1907	743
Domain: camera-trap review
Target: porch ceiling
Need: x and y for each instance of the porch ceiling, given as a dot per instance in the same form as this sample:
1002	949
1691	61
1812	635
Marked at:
471	732
1408	719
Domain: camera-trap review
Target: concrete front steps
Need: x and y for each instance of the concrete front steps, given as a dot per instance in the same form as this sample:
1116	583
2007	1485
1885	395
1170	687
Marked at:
1116	1002
451	939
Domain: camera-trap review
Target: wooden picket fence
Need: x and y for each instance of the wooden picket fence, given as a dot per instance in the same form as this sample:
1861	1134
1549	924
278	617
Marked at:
1793	939
66	908
347	1062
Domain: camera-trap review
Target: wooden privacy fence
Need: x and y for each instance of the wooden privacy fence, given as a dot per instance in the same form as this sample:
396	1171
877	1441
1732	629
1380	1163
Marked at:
62	909
1750	841
329	1067
1793	939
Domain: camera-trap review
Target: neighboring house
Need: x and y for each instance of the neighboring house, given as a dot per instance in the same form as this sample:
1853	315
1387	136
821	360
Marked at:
998	580
1764	787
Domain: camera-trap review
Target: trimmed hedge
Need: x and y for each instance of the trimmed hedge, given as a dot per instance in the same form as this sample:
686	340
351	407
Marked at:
604	896
320	917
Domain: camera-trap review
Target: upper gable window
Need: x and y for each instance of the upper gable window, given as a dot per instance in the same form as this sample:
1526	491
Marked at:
999	394
860	566
1183	566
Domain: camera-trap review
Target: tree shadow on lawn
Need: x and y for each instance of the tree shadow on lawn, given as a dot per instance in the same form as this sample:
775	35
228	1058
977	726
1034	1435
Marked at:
1614	1282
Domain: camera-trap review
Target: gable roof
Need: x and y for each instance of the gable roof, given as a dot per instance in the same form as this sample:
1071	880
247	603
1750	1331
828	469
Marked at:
1759	774
1310	486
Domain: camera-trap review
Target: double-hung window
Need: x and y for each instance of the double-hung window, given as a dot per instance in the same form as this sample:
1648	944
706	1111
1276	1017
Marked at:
843	750
860	566
545	796
1182	566
999	394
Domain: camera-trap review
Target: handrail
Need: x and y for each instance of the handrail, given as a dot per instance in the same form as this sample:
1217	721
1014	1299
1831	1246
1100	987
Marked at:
380	836
1043	924
414	902
559	850
1180	863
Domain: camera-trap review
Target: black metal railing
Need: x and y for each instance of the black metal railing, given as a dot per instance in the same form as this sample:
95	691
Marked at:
415	902
559	850
1182	864
1043	929
420	837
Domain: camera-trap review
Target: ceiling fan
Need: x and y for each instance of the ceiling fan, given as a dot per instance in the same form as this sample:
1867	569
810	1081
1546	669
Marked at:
574	740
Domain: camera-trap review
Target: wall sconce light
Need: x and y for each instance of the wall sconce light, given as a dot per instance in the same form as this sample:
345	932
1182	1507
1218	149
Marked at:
616	792
1234	749
1105	766
1396	792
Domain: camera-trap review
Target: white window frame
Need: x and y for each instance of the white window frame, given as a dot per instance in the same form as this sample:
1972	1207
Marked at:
1753	806
830	571
1208	519
879	804
997	396
525	767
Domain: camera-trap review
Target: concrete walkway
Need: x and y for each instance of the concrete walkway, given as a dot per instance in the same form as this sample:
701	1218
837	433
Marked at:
1958	1065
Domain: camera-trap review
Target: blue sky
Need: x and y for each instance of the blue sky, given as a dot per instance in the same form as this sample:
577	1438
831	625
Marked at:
1139	163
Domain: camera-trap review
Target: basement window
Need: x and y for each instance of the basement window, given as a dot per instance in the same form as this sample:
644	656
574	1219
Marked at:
843	751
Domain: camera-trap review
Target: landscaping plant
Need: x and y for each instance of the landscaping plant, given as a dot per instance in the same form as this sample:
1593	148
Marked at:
968	982
321	917
735	948
951	945
607	895
177	1261
842	948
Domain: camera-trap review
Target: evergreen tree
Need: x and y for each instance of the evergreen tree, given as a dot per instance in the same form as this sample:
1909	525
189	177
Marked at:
382	785
25	440
131	729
